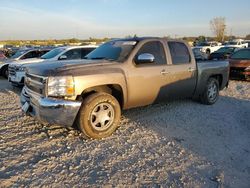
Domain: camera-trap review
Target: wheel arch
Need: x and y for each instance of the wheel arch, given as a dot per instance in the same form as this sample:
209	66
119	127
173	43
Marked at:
3	68
218	77
113	89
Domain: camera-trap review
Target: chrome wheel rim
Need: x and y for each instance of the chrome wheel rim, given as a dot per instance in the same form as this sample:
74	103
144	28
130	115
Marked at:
102	116
212	91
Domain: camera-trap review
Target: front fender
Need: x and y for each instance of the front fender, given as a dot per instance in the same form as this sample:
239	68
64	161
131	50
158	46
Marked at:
3	65
82	83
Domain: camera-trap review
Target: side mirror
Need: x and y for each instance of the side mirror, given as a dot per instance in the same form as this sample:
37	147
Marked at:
145	58
62	57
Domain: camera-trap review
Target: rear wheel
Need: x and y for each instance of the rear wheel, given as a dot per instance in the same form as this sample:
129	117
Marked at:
99	115
211	92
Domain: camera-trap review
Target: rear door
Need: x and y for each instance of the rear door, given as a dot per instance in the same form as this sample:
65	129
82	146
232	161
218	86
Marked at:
181	72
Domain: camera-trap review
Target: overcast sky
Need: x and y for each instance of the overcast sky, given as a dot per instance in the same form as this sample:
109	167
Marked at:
57	19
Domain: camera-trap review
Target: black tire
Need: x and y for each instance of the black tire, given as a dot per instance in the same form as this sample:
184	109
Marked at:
211	92
208	52
5	72
93	116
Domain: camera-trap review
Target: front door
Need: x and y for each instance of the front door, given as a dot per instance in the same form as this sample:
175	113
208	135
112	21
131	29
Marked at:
145	80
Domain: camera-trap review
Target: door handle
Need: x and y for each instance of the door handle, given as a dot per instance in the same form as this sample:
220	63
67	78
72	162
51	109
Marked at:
164	72
190	69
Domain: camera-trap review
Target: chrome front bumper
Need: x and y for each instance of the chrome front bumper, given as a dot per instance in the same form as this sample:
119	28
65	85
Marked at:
50	110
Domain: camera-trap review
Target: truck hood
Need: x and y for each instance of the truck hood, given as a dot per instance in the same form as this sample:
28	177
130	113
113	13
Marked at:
61	68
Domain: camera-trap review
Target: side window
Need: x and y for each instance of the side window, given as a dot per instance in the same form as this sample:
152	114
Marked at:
31	54
156	49
86	51
41	53
73	54
179	53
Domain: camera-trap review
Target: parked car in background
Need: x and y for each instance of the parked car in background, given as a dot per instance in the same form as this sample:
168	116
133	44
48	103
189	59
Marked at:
237	43
222	53
20	55
199	55
240	64
17	69
2	56
247	42
208	47
120	74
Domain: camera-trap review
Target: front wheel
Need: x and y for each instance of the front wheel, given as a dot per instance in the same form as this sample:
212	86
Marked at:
99	115
5	72
211	92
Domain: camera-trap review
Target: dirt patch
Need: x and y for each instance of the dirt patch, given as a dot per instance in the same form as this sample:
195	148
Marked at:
179	144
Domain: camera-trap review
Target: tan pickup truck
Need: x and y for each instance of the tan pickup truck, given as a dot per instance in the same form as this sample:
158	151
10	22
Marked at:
120	74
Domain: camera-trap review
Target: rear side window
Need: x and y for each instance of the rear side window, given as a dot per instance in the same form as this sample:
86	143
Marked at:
86	51
42	52
31	54
156	49
179	53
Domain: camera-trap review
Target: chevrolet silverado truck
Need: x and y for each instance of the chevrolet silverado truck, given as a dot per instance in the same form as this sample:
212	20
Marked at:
120	74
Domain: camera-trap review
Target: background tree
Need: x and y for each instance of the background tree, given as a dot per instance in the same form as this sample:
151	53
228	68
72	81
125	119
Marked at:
218	27
248	37
201	39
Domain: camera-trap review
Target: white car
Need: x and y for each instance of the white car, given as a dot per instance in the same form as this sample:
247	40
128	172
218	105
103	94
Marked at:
208	47
17	70
238	43
20	55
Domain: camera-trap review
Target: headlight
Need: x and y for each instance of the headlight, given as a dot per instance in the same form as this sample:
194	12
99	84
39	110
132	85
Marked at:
247	69
61	86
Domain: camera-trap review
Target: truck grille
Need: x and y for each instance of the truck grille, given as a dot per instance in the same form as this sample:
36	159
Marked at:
12	70
36	83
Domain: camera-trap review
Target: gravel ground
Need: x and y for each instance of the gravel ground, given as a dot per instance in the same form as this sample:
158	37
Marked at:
179	144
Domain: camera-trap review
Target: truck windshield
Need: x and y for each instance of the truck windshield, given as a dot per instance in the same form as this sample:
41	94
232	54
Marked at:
117	50
53	53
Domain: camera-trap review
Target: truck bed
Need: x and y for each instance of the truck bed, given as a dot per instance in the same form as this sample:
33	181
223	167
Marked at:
215	68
